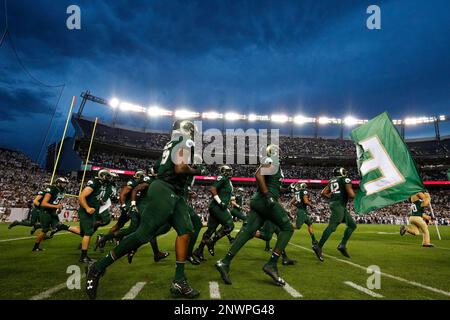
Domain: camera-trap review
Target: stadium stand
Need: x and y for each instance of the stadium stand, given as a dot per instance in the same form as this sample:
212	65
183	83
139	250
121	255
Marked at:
21	178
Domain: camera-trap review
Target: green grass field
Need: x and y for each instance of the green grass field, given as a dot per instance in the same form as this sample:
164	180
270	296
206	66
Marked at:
408	270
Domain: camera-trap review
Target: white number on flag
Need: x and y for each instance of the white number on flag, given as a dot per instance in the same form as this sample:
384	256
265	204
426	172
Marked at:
390	175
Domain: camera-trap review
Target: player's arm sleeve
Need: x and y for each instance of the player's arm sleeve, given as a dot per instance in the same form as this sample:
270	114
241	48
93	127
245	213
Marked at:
349	188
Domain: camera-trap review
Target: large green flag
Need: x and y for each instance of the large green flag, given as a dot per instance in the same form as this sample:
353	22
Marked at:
388	173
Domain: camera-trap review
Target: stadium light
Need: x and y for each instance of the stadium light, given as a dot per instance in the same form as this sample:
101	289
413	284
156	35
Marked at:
350	121
212	115
114	103
125	106
280	118
299	119
256	117
186	114
155	111
442	117
323	120
231	116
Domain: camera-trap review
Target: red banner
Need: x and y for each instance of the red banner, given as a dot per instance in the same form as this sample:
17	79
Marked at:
251	179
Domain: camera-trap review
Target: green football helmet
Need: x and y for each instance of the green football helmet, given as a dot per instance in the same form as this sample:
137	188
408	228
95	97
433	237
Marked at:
273	150
62	182
185	127
225	171
104	175
139	174
340	172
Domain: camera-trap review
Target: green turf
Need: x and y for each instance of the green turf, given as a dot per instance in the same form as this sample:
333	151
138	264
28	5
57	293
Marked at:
24	274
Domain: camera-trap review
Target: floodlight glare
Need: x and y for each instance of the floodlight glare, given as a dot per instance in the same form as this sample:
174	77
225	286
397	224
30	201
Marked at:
114	102
323	120
300	119
125	106
186	114
350	121
155	111
252	117
281	118
211	115
231	116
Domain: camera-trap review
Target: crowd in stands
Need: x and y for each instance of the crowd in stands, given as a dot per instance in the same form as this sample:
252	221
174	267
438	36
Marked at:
293	146
21	178
121	161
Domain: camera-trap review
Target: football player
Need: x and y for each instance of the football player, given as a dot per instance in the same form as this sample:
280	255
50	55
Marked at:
237	210
104	218
33	219
338	190
137	194
163	204
125	199
264	206
302	202
219	214
418	219
50	205
90	200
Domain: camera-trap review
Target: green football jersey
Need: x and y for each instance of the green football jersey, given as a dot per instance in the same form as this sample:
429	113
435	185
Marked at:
56	195
299	197
166	166
273	183
96	197
141	194
132	184
110	192
416	209
338	191
40	193
239	200
224	189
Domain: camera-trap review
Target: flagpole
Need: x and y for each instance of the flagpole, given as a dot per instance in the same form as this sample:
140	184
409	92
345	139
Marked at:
435	222
62	140
88	154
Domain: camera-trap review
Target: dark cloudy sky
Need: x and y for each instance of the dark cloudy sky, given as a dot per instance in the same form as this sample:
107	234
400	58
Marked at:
310	57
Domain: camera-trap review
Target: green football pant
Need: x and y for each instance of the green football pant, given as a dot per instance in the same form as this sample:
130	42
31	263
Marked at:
339	214
49	220
237	213
260	213
197	225
164	207
86	222
218	216
267	230
302	218
102	219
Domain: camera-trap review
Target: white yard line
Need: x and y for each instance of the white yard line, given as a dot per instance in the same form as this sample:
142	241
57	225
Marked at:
294	293
134	291
48	293
362	289
214	292
413	283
